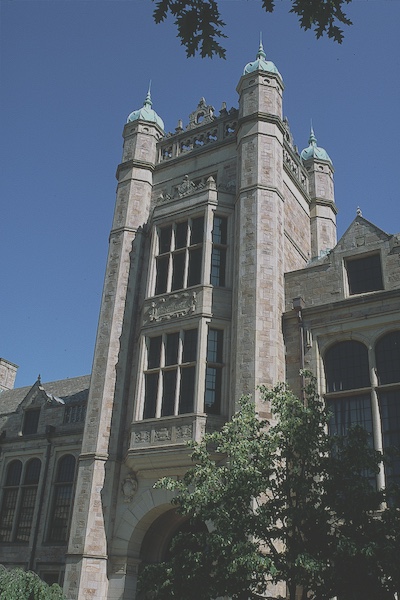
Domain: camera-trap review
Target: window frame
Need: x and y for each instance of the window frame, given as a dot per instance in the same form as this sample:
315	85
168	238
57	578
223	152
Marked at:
163	368
23	503
56	486
178	256
381	402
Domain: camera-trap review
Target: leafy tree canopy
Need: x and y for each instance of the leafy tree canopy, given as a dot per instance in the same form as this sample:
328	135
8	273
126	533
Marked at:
283	502
17	584
200	27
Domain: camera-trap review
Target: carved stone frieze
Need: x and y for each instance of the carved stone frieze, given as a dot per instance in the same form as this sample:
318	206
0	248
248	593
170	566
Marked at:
171	307
184	432
142	437
162	435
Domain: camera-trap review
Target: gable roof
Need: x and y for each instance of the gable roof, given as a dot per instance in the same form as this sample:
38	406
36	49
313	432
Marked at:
361	232
75	389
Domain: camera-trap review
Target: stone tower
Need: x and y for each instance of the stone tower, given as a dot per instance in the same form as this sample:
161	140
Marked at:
207	221
87	570
322	208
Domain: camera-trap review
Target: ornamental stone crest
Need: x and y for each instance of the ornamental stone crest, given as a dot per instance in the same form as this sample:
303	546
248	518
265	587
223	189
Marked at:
173	306
129	487
184	432
204	113
163	434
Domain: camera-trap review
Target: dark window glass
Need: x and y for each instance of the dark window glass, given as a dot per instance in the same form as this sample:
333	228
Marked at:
181	235
219	231
214	346
7	513
32	472
66	469
165	239
180	255
186	395
178	272
218	264
28	500
389	403
75	413
189	345
218	255
388	358
173	383
197	231
348	412
171	350
346	366
364	274
10	496
150	395
25	517
14	473
31	421
212	398
62	500
169	389
153	357
195	260
162	274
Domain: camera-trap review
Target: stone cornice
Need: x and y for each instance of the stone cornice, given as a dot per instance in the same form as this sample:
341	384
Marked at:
262	116
130	164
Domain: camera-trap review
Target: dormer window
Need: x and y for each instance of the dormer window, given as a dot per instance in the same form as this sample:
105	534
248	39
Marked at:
31	421
364	274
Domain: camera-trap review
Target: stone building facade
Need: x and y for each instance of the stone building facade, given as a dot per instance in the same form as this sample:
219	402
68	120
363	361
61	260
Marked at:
223	273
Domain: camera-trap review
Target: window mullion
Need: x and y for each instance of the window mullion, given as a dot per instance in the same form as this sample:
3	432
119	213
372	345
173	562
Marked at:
207	246
160	378
178	373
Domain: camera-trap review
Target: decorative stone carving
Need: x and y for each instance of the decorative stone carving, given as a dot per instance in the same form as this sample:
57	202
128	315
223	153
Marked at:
172	306
186	187
162	435
204	113
142	437
129	487
184	432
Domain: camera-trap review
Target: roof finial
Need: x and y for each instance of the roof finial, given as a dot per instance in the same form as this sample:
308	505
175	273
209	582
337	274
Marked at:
261	53
312	139
359	213
148	101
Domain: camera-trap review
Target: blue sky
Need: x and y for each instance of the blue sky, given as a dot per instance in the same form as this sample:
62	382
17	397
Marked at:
71	72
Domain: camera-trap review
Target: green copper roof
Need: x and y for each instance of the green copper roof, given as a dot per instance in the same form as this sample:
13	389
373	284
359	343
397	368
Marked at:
260	64
146	113
313	151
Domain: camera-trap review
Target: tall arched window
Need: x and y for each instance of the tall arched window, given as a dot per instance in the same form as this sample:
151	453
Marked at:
28	499
347	377
19	499
387	353
10	497
62	499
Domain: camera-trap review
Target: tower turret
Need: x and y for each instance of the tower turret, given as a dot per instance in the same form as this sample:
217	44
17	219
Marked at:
258	292
321	187
100	459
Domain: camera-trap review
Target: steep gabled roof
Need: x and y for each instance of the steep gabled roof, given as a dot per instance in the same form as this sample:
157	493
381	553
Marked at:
68	390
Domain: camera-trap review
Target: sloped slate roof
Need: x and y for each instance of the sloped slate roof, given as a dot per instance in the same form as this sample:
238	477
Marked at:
75	389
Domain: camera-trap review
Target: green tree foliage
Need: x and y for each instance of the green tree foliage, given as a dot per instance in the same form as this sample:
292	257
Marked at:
283	502
200	27
17	584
